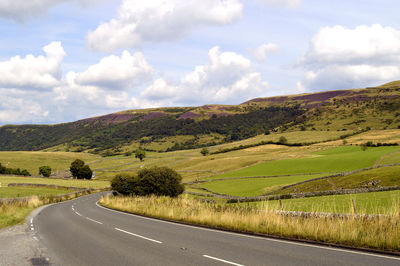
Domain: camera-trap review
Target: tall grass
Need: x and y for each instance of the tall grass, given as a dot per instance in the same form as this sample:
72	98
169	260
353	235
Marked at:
377	233
12	213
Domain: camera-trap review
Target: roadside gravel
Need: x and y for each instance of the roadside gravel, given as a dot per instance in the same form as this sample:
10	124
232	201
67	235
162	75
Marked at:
19	246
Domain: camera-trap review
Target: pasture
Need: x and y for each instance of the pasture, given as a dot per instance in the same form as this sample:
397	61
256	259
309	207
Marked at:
340	159
34	159
19	192
95	184
386	202
379	177
250	187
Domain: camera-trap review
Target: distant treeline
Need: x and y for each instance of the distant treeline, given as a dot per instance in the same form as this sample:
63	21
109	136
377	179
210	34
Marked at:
13	171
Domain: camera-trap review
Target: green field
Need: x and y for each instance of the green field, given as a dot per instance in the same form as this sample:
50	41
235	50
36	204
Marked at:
33	160
383	177
14	192
254	186
340	159
96	184
387	202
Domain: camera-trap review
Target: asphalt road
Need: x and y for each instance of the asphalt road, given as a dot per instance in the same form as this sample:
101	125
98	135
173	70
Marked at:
79	232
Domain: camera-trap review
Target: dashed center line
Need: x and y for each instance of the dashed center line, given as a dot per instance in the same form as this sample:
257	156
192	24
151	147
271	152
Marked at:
221	260
132	234
93	220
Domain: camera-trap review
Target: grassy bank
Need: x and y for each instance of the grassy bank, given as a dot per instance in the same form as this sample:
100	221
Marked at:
16	213
381	233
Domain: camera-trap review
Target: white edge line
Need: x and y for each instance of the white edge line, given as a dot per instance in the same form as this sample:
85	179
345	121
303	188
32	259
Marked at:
78	213
129	233
93	220
221	260
256	237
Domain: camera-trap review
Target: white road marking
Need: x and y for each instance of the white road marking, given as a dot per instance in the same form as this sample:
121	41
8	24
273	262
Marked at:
129	233
35	238
31	220
255	237
93	220
224	261
78	213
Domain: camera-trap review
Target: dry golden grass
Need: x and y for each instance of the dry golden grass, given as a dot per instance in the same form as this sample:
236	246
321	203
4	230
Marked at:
16	213
379	233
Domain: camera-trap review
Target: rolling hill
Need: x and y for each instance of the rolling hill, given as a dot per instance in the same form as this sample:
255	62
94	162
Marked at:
165	129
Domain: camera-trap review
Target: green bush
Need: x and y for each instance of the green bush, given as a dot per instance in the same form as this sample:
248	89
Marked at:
204	151
45	171
159	181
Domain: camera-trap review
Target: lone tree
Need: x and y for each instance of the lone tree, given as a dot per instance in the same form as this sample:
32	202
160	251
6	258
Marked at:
141	154
79	170
45	171
204	151
158	181
283	140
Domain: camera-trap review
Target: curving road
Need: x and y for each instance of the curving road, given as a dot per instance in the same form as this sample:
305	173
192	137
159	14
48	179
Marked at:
79	232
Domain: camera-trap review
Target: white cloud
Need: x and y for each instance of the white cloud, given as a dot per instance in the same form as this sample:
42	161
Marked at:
160	20
342	58
281	3
30	72
226	77
118	73
22	10
18	106
261	52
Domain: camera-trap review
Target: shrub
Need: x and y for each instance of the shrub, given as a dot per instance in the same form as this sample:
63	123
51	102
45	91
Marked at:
204	151
159	181
124	183
283	140
128	153
45	171
140	154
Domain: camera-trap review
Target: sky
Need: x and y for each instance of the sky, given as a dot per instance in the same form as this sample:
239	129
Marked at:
64	60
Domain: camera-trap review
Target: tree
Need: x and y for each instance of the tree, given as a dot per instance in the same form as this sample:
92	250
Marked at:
45	171
283	140
141	154
204	151
25	172
75	167
85	173
159	181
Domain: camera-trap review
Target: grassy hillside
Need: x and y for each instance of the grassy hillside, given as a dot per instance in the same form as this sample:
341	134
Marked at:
178	128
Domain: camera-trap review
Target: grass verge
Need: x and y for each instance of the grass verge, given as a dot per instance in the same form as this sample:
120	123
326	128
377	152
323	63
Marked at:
380	233
16	212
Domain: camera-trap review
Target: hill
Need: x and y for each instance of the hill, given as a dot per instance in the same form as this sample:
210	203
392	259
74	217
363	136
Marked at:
165	129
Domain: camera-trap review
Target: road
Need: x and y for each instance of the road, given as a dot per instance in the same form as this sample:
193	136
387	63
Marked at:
80	232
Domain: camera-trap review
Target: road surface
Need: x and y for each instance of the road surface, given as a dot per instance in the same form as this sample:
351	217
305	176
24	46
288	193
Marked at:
80	232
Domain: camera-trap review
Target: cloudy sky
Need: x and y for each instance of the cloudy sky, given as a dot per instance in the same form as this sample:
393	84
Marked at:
63	60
